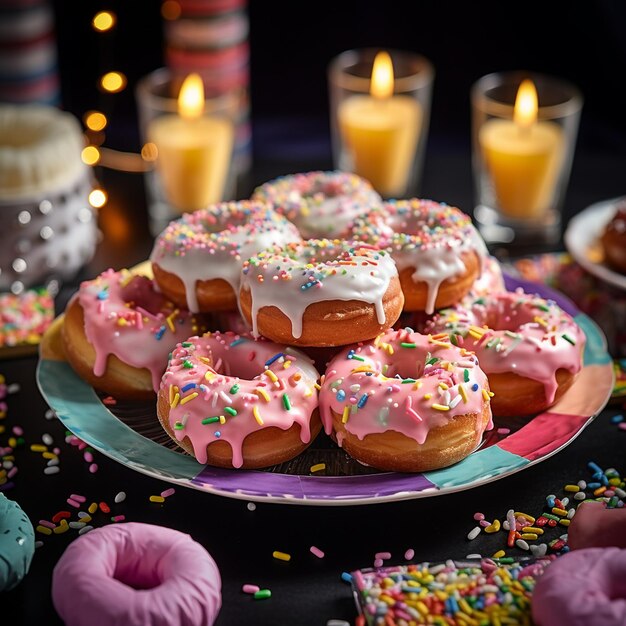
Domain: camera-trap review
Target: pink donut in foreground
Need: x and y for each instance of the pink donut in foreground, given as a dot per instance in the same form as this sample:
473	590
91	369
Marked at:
595	526
134	574
582	588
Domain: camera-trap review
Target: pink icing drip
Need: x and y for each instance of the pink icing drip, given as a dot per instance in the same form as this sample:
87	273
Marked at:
232	386
541	348
392	404
115	296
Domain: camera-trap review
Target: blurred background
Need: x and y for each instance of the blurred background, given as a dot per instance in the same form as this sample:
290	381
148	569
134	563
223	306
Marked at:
291	44
279	51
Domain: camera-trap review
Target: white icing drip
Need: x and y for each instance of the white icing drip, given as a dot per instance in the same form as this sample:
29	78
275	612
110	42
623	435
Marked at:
432	266
201	264
357	284
435	264
477	243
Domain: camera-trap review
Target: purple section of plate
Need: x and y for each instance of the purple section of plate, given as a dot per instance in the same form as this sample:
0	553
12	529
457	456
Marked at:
512	283
303	487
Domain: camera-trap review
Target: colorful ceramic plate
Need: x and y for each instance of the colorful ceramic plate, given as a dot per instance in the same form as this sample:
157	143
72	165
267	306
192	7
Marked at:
134	437
582	240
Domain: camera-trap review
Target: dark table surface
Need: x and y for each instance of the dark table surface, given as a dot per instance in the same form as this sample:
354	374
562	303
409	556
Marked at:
307	590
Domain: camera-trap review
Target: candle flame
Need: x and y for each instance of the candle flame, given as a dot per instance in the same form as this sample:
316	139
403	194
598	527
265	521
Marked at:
382	76
526	105
191	97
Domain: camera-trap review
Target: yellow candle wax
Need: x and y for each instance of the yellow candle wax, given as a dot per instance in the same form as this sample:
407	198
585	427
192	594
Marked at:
523	164
380	135
193	158
523	157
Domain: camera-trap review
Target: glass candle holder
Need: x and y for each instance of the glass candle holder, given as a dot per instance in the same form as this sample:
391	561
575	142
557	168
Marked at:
524	130
380	114
187	136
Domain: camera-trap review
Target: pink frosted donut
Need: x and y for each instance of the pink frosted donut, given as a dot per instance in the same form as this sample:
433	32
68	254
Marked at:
582	588
596	526
529	347
118	330
197	259
133	574
406	402
232	401
321	203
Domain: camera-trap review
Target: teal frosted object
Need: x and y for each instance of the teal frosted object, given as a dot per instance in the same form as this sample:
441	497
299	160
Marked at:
17	543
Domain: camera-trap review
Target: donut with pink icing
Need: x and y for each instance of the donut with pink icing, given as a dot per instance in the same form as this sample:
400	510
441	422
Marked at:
320	292
233	401
118	330
138	575
438	251
596	526
406	402
584	587
197	259
530	348
322	204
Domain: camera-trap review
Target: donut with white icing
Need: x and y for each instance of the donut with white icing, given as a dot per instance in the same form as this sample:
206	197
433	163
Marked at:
436	247
233	401
529	347
406	402
491	279
320	292
118	330
322	204
197	259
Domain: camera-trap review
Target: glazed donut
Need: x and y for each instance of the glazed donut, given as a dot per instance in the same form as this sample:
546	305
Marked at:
232	401
613	240
529	347
582	588
320	292
406	402
436	247
322	204
197	259
134	574
17	543
118	330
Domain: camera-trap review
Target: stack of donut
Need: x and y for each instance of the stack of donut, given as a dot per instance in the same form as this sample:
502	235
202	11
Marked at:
307	291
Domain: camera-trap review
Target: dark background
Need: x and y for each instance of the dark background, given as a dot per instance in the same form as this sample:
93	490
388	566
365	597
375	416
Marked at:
291	46
292	43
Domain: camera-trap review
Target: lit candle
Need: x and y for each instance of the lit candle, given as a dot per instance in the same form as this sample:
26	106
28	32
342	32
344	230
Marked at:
194	150
381	130
523	157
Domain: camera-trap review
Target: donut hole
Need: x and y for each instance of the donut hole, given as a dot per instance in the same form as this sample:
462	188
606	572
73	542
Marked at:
405	370
407	224
137	573
237	368
507	318
228	221
139	292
